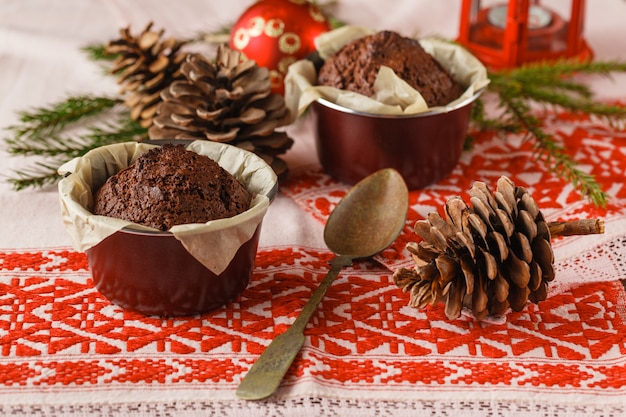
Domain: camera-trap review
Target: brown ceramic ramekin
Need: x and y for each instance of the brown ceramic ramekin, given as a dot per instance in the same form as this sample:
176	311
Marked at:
423	147
154	272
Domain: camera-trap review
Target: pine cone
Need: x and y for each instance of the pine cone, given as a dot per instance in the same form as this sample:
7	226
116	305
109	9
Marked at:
489	257
145	65
229	101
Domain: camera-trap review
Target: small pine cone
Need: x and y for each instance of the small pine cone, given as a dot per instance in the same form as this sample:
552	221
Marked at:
227	101
489	257
144	66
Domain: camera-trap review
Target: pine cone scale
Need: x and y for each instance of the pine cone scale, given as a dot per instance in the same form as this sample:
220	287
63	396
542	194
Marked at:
544	257
148	113
454	299
181	89
527	224
222	137
535	276
490	264
518	297
159	65
250	116
467	269
499	246
447	268
501	289
521	247
479	299
153	83
264	128
149	39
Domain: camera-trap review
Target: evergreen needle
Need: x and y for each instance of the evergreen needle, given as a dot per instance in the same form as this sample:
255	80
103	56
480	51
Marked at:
97	52
63	148
37	176
554	155
44	121
553	85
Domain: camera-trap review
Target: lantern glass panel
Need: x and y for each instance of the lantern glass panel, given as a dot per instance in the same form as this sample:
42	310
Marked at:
481	31
547	24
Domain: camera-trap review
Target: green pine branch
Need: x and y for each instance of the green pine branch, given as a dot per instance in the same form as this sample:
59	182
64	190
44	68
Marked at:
556	85
553	154
38	175
551	70
45	121
69	145
502	125
97	52
64	130
57	150
551	86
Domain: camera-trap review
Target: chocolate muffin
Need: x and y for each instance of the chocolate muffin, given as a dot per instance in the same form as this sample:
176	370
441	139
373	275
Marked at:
355	67
170	185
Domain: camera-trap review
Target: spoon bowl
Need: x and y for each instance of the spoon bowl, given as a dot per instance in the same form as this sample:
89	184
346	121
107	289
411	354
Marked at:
369	217
367	220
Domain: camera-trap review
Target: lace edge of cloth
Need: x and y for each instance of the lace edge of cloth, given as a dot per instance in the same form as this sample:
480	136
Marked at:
320	406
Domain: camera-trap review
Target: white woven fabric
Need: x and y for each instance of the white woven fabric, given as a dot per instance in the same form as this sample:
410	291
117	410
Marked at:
41	63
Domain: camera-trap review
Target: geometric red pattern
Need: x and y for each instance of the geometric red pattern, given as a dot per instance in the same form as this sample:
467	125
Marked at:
58	332
59	338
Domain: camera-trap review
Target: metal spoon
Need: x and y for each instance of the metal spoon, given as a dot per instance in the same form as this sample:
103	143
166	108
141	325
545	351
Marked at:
366	221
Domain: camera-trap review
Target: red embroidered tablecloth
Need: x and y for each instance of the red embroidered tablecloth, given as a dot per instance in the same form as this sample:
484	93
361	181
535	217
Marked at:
62	343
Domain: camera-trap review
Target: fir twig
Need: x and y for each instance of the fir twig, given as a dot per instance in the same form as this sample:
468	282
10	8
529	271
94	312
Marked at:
551	85
59	149
37	176
46	121
555	84
479	117
97	52
68	145
221	35
51	134
566	68
554	155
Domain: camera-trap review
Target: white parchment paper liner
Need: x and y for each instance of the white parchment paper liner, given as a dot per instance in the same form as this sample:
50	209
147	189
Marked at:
393	96
214	243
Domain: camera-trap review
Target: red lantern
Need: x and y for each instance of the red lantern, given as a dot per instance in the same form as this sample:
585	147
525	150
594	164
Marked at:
506	35
276	33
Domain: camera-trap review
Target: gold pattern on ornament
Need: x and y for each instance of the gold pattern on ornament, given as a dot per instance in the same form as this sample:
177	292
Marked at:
241	38
256	26
284	63
316	14
289	43
276	78
274	28
300	2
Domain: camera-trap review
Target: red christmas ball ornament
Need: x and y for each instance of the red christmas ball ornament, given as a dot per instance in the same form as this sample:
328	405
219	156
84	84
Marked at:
277	33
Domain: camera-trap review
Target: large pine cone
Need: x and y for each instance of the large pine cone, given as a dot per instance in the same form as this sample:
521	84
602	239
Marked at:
226	101
145	65
489	257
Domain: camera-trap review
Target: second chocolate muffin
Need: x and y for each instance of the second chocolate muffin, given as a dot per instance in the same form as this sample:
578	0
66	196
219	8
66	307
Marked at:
355	67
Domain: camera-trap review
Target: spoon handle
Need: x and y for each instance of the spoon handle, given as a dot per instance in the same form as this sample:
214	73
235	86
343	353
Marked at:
336	264
263	379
